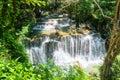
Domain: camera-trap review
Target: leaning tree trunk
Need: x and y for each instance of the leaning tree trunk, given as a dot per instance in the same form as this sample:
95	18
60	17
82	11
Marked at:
114	47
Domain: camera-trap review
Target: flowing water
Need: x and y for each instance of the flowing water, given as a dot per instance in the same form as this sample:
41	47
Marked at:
82	50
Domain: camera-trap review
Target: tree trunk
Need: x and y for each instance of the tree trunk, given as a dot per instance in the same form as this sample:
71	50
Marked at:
3	15
14	6
114	47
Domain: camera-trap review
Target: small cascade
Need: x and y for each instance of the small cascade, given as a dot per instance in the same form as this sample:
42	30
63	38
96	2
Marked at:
53	22
83	50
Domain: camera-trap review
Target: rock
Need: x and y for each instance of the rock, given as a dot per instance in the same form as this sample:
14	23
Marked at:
50	47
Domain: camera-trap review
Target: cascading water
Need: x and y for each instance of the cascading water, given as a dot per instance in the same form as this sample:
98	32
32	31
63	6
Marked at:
83	50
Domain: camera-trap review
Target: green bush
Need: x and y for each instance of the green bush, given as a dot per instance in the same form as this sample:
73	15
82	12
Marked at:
3	52
13	70
14	47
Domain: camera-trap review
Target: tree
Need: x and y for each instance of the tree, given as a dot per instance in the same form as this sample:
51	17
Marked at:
15	15
114	47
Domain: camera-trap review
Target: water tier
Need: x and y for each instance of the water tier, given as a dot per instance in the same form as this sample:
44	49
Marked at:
83	50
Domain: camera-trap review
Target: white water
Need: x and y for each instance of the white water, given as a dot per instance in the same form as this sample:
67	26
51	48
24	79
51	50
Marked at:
82	50
52	23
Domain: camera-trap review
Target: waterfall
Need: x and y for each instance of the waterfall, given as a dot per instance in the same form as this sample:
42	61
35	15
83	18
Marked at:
83	50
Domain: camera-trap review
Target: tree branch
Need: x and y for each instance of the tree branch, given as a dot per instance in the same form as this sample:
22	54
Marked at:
105	16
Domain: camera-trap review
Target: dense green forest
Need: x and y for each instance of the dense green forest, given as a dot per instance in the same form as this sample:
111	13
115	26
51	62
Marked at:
17	17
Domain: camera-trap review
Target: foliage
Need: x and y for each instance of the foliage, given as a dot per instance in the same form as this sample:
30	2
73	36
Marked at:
85	9
109	11
16	19
115	70
34	2
13	70
114	48
100	23
15	49
3	52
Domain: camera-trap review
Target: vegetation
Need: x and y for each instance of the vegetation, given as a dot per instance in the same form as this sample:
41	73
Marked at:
114	43
115	69
13	70
18	16
15	18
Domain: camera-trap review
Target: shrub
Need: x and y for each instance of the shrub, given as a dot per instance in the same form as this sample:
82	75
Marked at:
13	70
13	47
